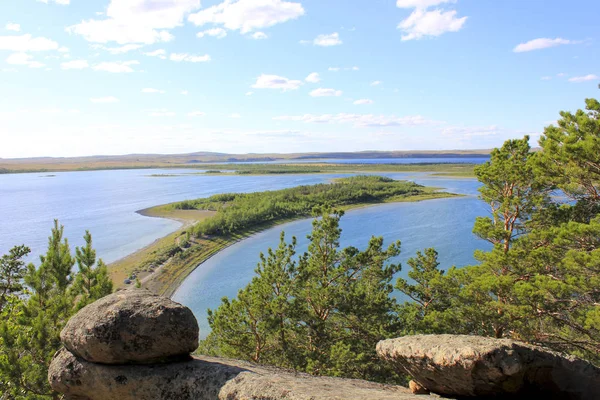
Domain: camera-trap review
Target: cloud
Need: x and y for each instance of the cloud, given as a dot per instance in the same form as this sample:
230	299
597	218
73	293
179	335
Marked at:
161	113
136	21
422	4
10	26
23	59
184	92
75	64
248	15
235	116
249	93
321	92
546	78
196	114
178	57
160	53
363	101
332	39
333	69
25	43
586	78
359	120
313	78
276	82
541	43
219	33
376	83
259	35
430	23
63	49
104	100
152	90
116	67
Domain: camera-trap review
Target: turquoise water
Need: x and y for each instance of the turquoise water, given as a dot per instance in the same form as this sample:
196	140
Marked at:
445	224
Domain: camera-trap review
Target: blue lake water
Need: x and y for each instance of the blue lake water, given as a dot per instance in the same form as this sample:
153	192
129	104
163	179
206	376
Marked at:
445	224
105	202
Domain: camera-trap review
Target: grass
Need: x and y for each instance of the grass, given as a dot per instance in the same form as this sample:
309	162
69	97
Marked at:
163	265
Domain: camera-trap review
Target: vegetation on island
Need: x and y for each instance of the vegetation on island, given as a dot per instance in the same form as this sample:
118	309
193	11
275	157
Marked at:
324	311
219	221
35	304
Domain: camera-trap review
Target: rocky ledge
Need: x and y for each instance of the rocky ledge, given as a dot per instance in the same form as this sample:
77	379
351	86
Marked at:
135	345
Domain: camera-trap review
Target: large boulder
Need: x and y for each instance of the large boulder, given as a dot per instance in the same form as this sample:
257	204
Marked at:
132	327
472	366
204	379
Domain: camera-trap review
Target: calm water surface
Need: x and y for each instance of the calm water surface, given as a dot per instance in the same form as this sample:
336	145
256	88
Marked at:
105	203
445	224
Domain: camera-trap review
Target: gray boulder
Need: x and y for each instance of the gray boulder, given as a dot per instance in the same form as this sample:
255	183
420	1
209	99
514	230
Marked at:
132	327
204	378
472	366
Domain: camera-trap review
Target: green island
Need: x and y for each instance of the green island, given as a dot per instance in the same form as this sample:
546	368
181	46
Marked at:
211	224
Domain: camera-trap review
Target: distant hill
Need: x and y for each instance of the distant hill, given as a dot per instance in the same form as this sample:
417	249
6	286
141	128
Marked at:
173	160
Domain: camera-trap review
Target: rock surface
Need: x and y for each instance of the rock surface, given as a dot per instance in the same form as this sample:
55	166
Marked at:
416	388
205	378
132	327
457	365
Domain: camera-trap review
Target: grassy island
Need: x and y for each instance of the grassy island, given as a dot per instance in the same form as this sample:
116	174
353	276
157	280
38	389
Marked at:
213	223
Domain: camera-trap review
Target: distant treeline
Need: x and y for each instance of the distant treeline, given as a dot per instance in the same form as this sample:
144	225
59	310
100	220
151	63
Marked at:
239	211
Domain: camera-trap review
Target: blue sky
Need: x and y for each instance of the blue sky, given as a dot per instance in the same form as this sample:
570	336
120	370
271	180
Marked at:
85	77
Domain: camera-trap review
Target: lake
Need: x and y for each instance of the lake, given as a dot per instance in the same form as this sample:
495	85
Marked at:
105	202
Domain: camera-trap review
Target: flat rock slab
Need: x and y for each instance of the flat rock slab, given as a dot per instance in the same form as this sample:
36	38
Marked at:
132	327
205	378
472	366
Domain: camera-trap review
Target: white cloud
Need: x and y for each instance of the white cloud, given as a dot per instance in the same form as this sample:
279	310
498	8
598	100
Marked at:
541	43
276	82
259	35
332	39
546	78
116	67
586	78
184	92
75	64
249	93
313	78
321	92
235	116
196	114
178	57
333	69
161	113
136	21
160	53
430	23
23	59
10	26
376	83
63	49
248	15
24	43
104	100
363	101
219	33
421	3
359	120
152	90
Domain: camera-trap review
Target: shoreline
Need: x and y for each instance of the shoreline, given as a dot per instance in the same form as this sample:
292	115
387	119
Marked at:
166	277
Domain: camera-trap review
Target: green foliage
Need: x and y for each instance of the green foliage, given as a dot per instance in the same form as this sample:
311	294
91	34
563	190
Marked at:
38	306
322	313
237	212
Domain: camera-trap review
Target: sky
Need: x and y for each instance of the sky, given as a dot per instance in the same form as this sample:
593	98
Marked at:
90	77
